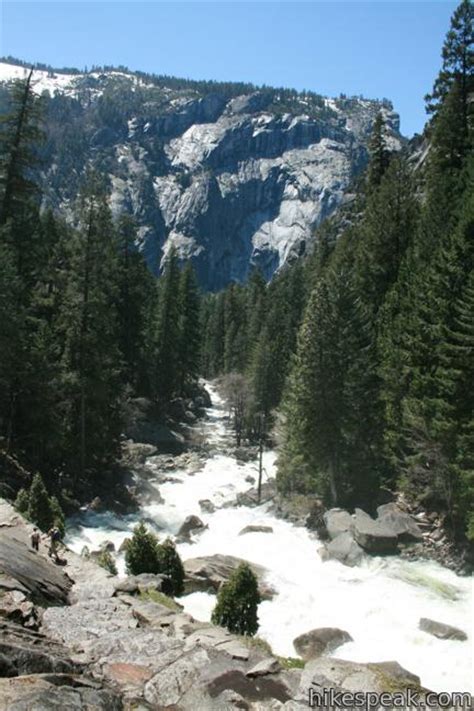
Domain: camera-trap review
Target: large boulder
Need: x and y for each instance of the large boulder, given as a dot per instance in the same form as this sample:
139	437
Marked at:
338	521
14	606
401	523
24	651
45	582
207	506
250	497
191	524
341	675
134	584
344	549
267	666
315	643
207	573
374	536
56	691
441	630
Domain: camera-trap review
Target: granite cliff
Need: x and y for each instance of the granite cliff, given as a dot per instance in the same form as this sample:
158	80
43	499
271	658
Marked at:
227	174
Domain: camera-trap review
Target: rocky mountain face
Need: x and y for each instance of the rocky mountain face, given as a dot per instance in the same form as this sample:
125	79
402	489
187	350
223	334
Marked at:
226	174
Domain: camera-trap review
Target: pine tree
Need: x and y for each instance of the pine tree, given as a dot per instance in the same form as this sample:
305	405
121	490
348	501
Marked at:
387	228
12	340
20	254
58	519
189	327
213	347
22	501
19	133
40	510
170	564
87	324
455	80
141	555
136	290
235	345
237	603
330	408
379	155
166	337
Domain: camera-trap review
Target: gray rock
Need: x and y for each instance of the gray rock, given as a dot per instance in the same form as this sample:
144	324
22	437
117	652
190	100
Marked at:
28	652
338	521
191	524
169	685
107	546
441	630
96	504
344	549
255	528
152	614
45	581
140	583
123	545
317	642
218	638
207	506
265	667
207	573
402	524
250	497
246	454
56	692
15	607
87	620
374	536
338	674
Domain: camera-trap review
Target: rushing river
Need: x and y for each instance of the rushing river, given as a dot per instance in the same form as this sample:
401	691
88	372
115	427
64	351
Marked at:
379	602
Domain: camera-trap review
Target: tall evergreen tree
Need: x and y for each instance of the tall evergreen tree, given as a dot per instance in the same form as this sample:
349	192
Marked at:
328	446
166	336
378	152
136	289
88	327
189	326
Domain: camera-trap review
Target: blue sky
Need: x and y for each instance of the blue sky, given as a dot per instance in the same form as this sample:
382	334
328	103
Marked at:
378	49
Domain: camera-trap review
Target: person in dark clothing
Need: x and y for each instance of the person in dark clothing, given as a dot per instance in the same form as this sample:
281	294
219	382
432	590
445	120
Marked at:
35	539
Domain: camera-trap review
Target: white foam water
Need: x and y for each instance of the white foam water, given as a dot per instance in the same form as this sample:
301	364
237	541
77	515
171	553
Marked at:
378	602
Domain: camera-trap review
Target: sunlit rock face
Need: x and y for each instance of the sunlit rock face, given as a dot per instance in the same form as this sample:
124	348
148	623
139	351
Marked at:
232	180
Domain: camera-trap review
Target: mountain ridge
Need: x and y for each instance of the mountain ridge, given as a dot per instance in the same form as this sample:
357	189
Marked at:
231	180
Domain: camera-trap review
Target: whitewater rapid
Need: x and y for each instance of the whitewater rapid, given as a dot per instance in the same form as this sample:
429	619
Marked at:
379	602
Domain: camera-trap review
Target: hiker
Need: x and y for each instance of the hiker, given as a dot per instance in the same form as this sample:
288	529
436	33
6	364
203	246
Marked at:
35	539
54	538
